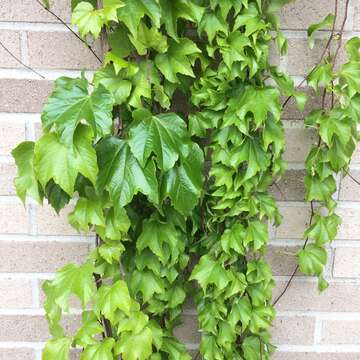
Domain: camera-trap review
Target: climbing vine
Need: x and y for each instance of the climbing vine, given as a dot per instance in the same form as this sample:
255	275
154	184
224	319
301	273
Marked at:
168	152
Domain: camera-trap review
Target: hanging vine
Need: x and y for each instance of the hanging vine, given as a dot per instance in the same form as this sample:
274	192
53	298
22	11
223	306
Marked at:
168	154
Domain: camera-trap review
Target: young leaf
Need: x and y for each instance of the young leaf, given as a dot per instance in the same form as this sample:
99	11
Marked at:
312	260
99	351
324	229
57	349
233	238
323	25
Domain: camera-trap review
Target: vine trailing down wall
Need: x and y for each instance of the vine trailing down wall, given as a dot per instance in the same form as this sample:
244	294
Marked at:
168	154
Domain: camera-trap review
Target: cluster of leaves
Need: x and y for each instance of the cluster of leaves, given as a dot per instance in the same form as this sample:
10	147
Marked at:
335	122
167	155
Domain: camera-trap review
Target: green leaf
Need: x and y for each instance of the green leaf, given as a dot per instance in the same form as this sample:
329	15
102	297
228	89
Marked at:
57	197
312	260
252	348
319	189
135	346
256	235
177	59
117	223
99	351
273	133
111	252
233	239
213	23
112	298
209	271
183	184
323	25
138	9
324	229
71	102
251	19
25	181
320	76
350	73
121	174
55	161
58	349
241	311
164	135
147	283
209	348
352	48
73	279
91	327
87	19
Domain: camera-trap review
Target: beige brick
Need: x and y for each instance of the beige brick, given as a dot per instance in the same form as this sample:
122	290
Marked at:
11	134
304	296
299	15
290	187
15	293
295	221
14	218
356	155
23	95
315	356
31	11
49	223
293	330
349	189
340	332
347	262
188	330
59	50
298	144
301	59
40	256
31	328
357	16
17	354
7	175
282	259
11	40
350	227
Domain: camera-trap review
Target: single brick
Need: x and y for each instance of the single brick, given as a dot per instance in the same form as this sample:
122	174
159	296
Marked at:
356	155
290	186
17	354
49	223
59	50
31	328
31	11
293	330
349	189
350	226
7	175
304	296
295	221
340	332
282	259
298	144
356	16
11	134
15	293
11	40
14	218
40	256
314	356
299	15
188	331
347	262
27	96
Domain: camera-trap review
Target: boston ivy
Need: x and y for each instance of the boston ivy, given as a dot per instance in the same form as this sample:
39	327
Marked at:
168	154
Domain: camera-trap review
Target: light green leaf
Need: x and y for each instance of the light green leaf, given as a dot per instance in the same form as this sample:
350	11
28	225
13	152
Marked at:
320	76
352	48
256	235
323	25
55	161
99	351
117	223
213	23
233	239
112	298
164	135
147	283
252	348
312	260
324	229
350	72
87	19
25	181
58	349
111	252
121	174
71	102
319	189
91	327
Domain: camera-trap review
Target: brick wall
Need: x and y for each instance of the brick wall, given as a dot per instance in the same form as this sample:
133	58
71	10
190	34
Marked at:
34	242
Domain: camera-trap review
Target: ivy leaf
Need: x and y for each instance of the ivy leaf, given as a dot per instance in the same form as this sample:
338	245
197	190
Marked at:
324	24
57	349
70	103
252	348
273	133
251	19
241	311
176	60
256	234
352	48
25	181
57	197
320	76
233	239
135	346
324	229
112	298
121	174
89	329
138	9
209	348
164	135
117	223
73	279
319	189
99	351
146	283
312	260
209	271
213	23
87	19
351	75
111	252
183	183
175	349
55	161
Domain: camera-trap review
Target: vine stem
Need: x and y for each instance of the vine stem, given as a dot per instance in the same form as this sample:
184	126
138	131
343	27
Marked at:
70	29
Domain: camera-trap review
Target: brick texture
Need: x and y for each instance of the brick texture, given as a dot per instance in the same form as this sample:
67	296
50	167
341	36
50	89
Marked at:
35	242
